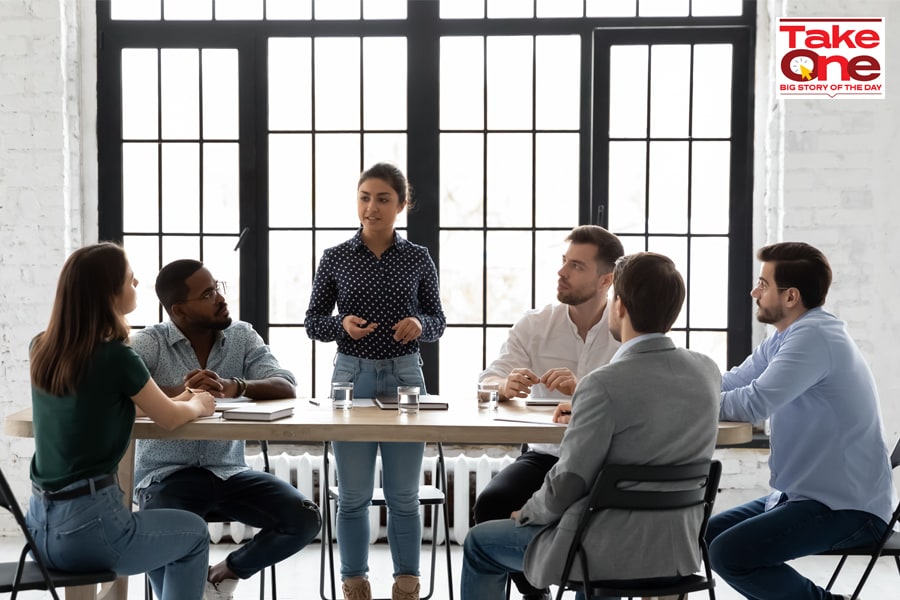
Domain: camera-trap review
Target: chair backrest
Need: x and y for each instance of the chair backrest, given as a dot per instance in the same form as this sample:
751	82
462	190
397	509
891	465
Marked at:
895	456
646	488
8	501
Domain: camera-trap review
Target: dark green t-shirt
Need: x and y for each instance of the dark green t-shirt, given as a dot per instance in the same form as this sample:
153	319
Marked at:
85	434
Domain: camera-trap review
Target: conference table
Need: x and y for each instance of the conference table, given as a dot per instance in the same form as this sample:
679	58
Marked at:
464	422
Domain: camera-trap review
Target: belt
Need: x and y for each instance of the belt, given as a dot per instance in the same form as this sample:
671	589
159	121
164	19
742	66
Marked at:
84	490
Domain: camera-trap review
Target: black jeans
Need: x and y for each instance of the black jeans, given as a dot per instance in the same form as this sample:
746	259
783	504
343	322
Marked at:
509	490
286	519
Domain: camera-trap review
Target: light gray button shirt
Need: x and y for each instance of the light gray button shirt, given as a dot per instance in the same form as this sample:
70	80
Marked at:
238	352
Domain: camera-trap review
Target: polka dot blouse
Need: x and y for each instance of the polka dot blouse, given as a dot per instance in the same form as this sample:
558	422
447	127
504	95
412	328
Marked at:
402	283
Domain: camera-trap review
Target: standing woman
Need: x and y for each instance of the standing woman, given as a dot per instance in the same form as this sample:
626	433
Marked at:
387	297
85	383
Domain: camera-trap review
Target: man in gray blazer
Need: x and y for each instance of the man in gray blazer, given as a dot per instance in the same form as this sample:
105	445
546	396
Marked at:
654	404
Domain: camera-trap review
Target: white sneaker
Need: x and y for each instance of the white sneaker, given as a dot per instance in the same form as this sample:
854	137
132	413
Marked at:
224	590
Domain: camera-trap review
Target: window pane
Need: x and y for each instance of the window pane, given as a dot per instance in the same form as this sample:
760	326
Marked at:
556	179
670	74
557	92
224	264
507	257
559	8
668	187
337	82
663	8
461	361
336	9
290	180
135	10
510	9
143	256
509	82
178	247
461	280
627	186
140	187
140	106
708	8
181	188
291	274
382	93
709	282
710	183
611	8
248	10
288	9
187	10
712	90
290	79
221	188
293	350
549	248
714	344
462	179
384	9
628	91
220	94
509	180
337	171
676	249
180	92
462	9
462	82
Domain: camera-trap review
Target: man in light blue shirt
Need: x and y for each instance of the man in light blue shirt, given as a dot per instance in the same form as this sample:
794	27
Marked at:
830	467
201	348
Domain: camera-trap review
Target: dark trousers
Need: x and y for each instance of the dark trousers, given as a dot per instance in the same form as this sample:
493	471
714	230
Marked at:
286	519
509	490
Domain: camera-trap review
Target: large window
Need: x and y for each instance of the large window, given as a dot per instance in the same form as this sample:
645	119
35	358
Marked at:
234	132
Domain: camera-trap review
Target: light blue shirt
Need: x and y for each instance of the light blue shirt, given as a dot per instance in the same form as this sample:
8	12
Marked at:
827	442
238	352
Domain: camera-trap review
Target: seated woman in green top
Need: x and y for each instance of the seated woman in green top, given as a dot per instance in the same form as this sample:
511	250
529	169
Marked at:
85	383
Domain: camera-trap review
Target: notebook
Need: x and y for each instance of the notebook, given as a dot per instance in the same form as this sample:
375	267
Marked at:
390	403
258	412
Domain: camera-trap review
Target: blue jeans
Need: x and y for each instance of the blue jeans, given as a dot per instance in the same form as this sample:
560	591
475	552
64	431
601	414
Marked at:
286	519
749	546
401	466
97	531
493	551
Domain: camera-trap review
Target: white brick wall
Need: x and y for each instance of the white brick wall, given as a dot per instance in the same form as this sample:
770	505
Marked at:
824	174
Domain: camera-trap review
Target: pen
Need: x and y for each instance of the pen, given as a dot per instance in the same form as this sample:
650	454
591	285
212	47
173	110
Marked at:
314	401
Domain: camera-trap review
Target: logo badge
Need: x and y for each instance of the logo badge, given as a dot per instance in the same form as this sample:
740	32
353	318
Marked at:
830	58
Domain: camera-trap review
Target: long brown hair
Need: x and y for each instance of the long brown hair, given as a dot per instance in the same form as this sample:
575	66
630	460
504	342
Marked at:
84	315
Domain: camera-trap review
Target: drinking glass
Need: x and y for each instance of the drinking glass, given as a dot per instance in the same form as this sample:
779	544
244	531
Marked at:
408	399
489	395
342	395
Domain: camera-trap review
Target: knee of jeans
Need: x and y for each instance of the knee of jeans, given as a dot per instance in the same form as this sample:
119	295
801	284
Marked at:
307	521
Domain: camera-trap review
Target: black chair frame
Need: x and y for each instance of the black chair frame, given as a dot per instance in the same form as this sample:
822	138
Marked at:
216	518
888	545
608	492
34	574
434	495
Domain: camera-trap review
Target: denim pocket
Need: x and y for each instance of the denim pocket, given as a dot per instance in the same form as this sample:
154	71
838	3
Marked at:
85	547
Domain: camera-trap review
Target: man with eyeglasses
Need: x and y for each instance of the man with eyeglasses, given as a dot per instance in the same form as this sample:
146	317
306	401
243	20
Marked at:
830	467
200	347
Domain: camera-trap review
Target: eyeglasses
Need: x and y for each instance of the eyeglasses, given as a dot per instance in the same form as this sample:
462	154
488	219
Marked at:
763	287
212	293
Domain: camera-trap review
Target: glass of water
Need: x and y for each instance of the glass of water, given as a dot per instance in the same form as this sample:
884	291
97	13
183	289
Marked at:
408	399
489	395
342	394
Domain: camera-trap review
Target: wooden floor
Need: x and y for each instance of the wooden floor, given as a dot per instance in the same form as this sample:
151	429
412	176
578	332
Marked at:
298	576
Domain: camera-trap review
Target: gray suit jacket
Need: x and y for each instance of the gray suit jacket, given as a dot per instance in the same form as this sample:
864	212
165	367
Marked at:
655	405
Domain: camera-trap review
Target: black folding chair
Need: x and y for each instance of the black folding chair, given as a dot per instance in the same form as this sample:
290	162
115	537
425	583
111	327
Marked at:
608	492
217	518
888	545
34	574
434	495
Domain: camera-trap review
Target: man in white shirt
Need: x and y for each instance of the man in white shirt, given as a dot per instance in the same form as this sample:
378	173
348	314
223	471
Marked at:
548	350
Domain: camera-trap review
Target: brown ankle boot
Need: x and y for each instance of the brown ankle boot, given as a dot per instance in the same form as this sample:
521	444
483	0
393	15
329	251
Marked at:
356	588
406	587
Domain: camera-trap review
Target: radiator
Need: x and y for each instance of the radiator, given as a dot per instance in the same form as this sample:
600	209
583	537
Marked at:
466	477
